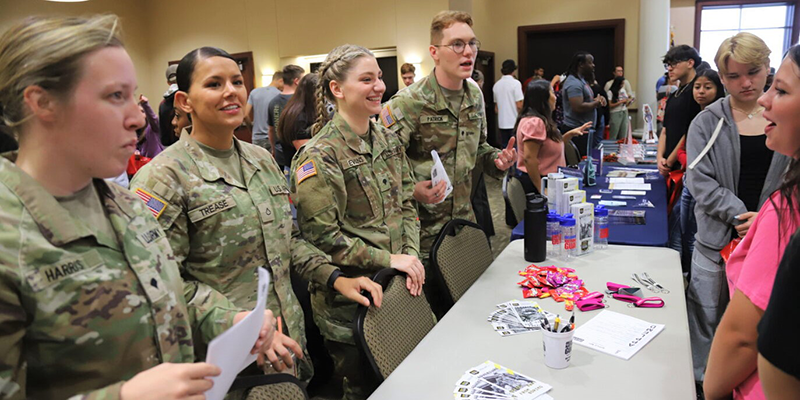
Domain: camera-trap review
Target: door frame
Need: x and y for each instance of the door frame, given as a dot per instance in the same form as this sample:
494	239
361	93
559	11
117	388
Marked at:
618	25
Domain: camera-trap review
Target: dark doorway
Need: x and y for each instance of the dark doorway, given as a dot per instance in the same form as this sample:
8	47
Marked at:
485	64
388	66
552	47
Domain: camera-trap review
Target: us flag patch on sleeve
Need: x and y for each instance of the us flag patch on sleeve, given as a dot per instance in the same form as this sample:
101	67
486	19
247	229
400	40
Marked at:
387	117
305	171
153	203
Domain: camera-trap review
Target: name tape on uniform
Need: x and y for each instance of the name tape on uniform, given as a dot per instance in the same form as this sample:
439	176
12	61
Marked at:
49	275
212	208
353	162
434	119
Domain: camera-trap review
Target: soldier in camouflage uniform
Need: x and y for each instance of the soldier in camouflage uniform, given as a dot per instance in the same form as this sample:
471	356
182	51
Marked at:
223	223
352	187
93	306
444	112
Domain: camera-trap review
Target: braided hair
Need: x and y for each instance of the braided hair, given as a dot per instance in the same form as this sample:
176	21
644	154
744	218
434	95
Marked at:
335	68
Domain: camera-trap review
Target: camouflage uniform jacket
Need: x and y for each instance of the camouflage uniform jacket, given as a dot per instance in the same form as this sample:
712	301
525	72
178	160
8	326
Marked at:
83	312
222	230
422	118
356	203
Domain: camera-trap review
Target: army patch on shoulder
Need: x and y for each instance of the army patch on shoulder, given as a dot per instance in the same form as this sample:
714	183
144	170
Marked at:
305	171
153	203
387	117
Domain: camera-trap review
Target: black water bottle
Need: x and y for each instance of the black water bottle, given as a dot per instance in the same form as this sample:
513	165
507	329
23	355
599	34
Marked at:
535	228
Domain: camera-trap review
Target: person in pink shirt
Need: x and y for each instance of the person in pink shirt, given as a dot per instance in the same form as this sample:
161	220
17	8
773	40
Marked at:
751	269
541	149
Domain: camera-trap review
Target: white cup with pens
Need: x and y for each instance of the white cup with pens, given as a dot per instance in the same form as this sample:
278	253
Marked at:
557	342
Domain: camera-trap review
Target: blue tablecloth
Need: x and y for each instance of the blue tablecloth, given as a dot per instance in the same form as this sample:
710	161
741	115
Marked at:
653	233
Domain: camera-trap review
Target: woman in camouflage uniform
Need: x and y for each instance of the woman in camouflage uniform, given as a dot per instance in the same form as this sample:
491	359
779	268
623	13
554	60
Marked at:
92	301
353	188
225	207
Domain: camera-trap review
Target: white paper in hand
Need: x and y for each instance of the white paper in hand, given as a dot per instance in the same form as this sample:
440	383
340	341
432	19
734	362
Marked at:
230	351
438	174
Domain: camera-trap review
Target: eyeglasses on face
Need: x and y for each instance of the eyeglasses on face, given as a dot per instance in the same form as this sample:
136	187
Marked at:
459	46
672	64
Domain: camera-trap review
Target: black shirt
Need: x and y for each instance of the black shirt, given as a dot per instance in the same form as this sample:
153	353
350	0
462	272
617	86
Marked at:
303	134
274	113
755	160
777	331
678	115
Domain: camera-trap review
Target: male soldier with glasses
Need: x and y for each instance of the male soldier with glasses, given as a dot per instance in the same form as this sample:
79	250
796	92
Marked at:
444	112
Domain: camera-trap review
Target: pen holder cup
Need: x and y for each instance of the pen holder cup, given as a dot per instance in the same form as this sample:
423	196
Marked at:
557	348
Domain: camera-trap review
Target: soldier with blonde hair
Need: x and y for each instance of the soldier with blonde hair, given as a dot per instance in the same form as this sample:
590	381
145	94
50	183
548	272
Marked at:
93	302
353	188
444	112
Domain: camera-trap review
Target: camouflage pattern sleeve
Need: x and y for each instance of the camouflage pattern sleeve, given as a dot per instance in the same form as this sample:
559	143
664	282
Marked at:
316	196
164	189
210	313
393	116
410	213
12	324
311	263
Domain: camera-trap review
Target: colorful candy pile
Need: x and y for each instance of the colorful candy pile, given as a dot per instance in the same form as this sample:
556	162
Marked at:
562	284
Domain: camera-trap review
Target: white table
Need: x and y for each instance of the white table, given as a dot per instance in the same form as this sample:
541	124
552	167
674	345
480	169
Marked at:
464	339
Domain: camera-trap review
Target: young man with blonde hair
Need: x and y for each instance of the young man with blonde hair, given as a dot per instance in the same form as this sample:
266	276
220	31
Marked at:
445	113
731	173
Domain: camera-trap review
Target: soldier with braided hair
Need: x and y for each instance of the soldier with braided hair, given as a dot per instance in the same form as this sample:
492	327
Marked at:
371	223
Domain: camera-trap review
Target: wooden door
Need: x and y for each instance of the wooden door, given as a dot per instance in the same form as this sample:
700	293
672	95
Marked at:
552	46
245	62
485	64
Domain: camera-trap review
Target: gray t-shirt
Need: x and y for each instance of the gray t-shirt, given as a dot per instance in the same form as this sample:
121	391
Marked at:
576	87
259	99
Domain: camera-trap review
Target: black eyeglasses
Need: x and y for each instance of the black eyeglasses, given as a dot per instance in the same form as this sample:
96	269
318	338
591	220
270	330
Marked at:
672	64
459	46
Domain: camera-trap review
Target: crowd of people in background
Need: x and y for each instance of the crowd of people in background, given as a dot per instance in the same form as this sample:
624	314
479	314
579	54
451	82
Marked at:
210	209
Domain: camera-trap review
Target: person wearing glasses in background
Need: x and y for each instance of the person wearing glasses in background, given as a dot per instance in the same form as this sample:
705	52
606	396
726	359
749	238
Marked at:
444	112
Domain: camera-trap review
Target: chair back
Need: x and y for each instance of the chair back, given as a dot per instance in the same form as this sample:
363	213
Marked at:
571	153
270	387
459	256
386	335
514	194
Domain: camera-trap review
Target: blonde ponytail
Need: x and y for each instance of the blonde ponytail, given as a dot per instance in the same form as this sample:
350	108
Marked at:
335	68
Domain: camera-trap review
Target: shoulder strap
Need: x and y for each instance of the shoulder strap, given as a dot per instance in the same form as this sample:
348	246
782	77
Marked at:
709	144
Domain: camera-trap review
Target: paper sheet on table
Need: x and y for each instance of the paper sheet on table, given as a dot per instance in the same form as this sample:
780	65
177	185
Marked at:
629	186
616	334
438	174
633	192
230	351
626	180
